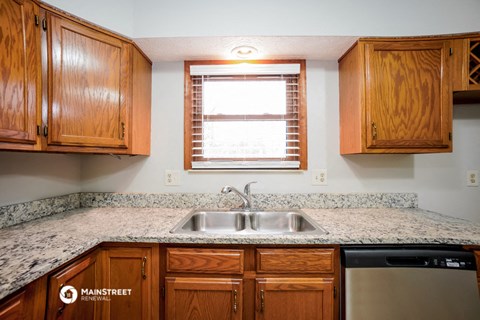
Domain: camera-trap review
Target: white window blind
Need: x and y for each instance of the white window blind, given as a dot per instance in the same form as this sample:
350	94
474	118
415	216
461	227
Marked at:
245	119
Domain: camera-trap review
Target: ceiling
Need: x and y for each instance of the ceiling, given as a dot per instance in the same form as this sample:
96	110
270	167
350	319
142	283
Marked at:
269	47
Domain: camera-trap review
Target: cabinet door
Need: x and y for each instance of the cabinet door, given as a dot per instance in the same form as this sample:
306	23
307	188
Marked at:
135	269
203	298
408	98
88	79
83	274
19	72
14	308
294	298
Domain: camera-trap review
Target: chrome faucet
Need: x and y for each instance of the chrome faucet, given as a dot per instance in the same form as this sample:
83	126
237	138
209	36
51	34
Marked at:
246	196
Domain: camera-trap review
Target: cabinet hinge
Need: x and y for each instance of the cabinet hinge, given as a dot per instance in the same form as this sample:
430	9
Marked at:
334	292
451	51
37	20
45	131
44	24
123	130
450	136
163	292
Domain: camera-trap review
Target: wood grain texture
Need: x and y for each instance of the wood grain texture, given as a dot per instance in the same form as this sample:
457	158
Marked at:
220	261
351	101
203	298
460	65
28	303
473	50
404	94
83	273
401	89
295	260
294	299
14	308
19	72
124	267
141	105
88	79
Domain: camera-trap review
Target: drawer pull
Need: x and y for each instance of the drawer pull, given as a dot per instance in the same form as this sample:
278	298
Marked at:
262	300
235	301
374	131
144	261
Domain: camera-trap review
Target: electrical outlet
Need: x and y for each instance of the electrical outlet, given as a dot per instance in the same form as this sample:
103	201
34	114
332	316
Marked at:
319	177
172	177
472	178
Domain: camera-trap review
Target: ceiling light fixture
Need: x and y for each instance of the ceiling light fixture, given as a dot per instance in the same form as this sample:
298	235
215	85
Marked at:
244	52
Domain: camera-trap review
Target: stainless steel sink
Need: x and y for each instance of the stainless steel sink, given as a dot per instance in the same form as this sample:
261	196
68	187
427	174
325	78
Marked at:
248	222
281	221
211	221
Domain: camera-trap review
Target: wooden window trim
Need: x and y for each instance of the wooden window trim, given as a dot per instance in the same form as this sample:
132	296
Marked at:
302	106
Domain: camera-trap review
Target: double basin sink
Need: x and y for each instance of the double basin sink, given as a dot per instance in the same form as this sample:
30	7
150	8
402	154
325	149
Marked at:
247	222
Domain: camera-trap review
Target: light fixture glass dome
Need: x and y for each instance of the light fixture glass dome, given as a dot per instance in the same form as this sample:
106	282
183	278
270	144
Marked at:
244	52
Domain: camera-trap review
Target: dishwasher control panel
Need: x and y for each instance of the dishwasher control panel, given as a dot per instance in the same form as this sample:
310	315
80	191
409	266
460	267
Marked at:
456	263
407	258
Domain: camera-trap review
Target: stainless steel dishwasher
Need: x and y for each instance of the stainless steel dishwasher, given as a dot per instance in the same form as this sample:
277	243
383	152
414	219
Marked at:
409	284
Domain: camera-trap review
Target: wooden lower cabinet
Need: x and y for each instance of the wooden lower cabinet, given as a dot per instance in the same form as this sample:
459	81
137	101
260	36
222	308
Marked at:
136	269
198	283
203	298
27	304
69	282
14	308
294	298
133	272
249	282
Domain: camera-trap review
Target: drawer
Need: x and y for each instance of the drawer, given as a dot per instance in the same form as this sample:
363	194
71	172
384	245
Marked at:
198	260
295	260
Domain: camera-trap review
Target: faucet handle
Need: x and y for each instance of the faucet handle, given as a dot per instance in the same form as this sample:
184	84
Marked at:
246	190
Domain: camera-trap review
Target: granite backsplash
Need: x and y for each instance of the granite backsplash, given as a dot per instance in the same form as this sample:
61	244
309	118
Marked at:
17	213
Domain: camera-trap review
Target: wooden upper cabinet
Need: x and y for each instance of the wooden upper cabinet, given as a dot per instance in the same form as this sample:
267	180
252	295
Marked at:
395	97
20	74
70	86
89	75
466	69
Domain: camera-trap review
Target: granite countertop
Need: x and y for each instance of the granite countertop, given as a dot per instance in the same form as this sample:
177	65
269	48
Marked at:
32	249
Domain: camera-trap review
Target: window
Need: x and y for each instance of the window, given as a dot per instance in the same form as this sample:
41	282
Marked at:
245	115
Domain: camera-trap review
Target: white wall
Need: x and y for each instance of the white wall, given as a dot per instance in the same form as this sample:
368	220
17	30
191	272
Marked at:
439	179
116	15
166	18
193	18
27	176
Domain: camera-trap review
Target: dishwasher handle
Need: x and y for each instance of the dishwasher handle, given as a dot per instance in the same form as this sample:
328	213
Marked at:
395	261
